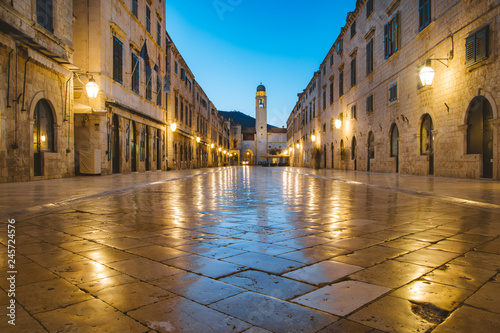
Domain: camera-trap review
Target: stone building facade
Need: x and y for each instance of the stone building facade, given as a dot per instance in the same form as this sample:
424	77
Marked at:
196	135
36	90
374	114
121	45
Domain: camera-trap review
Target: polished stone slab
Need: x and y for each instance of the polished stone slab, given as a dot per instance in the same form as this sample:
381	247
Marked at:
273	314
323	272
342	298
268	284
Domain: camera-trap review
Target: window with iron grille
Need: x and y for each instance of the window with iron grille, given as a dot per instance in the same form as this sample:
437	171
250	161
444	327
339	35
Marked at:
353	72
44	14
158	90
476	47
424	13
135	8
149	84
341	83
391	36
369	8
135	73
369	57
369	104
148	19
117	60
393	92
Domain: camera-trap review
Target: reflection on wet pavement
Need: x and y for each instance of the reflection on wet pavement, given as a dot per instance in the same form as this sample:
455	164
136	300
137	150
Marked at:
257	250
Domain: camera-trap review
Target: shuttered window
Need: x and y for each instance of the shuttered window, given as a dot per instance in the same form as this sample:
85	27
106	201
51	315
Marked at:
135	73
476	47
135	9
369	57
341	83
391	36
149	88
117	60
44	14
353	72
369	104
148	19
369	8
424	13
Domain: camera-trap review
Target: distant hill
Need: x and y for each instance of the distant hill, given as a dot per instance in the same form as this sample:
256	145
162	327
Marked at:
240	118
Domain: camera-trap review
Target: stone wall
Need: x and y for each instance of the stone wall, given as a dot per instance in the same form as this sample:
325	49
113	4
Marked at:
446	101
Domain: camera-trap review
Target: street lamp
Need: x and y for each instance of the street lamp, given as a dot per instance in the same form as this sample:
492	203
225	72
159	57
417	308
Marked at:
338	123
298	146
198	139
313	138
173	127
427	75
92	88
220	149
212	146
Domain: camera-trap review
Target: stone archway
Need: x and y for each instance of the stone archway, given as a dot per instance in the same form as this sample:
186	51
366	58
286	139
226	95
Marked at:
249	157
480	133
43	134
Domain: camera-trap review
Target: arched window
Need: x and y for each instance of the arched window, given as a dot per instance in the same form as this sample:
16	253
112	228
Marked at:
43	129
426	135
394	140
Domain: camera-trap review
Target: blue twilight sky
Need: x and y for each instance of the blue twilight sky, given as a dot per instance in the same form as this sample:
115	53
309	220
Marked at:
233	45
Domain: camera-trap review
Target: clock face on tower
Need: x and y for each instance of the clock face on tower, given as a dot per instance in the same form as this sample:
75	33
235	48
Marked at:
262	127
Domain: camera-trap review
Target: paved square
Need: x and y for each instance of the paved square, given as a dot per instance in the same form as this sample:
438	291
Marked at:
299	250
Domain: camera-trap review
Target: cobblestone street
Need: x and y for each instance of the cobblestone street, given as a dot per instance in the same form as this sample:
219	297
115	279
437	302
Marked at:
252	249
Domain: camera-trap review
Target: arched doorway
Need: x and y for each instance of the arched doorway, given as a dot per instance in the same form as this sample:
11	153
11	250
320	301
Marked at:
43	134
480	133
427	140
248	157
333	155
395	144
354	152
115	144
133	146
371	149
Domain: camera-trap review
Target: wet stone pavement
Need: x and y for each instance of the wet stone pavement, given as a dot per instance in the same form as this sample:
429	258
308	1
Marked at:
243	249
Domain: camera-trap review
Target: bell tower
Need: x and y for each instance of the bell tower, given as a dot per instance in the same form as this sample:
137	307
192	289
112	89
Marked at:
261	122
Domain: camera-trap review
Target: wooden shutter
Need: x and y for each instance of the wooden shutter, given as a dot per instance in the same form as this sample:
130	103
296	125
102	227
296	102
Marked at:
386	40
396	32
481	45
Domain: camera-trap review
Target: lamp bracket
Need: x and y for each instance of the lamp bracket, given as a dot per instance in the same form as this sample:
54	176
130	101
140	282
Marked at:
441	60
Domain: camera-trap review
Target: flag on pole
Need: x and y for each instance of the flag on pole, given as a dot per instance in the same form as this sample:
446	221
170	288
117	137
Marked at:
144	55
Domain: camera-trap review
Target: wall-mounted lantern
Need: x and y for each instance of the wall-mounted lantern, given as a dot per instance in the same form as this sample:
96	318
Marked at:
92	88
